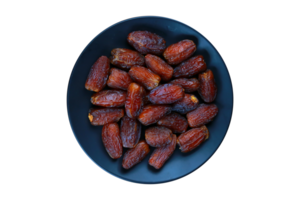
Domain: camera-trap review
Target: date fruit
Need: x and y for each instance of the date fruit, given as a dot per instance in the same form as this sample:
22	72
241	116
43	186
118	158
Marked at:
189	85
208	87
144	76
130	132
158	136
152	113
189	68
175	122
202	115
162	154
112	140
98	74
109	98
134	100
193	138
187	104
147	42
126	58
180	51
159	67
166	94
102	116
118	79
135	155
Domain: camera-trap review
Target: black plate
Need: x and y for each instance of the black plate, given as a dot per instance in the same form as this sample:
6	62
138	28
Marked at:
89	137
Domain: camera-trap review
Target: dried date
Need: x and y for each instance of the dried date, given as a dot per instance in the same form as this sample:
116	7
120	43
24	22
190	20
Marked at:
158	136
135	155
166	94
134	100
202	115
118	79
180	51
188	103
109	98
147	42
189	68
130	132
162	154
189	85
144	76
98	74
112	140
152	113
208	87
102	116
175	122
191	139
126	58
159	67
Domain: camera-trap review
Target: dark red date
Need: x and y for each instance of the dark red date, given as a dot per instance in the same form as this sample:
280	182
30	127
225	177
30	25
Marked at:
175	122
204	114
135	155
159	66
166	94
109	98
187	104
118	79
97	77
158	136
147	42
189	68
102	116
134	100
144	76
208	87
112	140
130	132
180	51
189	85
126	58
152	113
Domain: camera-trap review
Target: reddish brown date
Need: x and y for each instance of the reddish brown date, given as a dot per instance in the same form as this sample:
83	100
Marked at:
175	122
109	98
162	154
126	58
159	66
189	68
208	87
193	138
130	132
97	77
134	100
112	140
158	136
202	115
144	76
187	104
135	155
118	79
166	94
189	85
146	98
180	51
102	116
152	113
147	42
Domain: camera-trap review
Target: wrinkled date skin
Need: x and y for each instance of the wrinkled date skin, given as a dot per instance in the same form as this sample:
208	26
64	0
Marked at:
166	94
112	140
159	66
102	116
193	138
152	113
175	122
208	87
202	115
134	100
135	155
118	79
147	42
130	132
109	98
126	58
189	85
180	51
158	136
188	103
189	68
98	74
162	154
144	76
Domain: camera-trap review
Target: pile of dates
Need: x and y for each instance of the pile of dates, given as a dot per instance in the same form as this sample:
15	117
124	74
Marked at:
153	85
